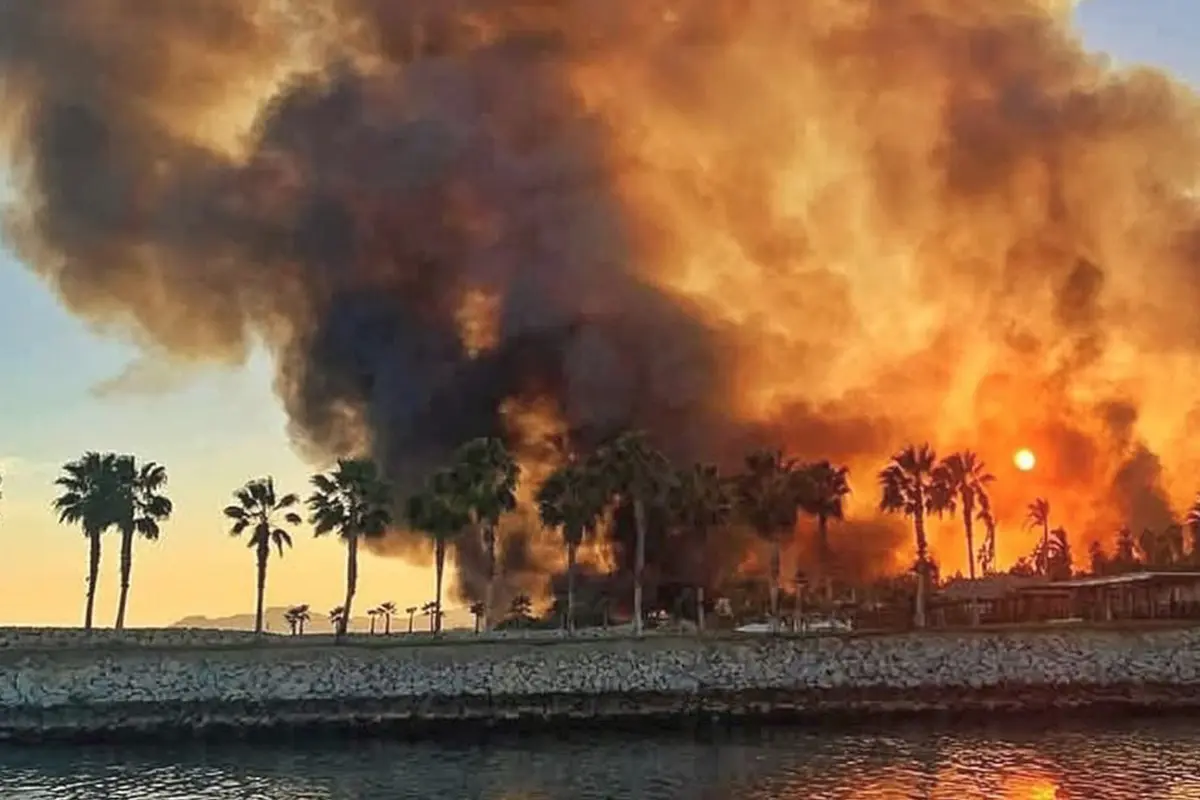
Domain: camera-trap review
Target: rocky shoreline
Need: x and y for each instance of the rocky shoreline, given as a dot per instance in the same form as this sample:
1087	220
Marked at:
158	689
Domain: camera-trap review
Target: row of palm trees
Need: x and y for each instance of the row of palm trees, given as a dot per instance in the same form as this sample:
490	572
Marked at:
472	494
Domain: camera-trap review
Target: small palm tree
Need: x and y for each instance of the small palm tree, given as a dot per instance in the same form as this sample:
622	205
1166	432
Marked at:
373	614
352	501
521	609
486	478
91	499
910	486
388	610
966	480
299	617
412	613
439	511
339	619
289	617
1038	516
572	499
262	512
700	500
142	507
430	610
768	499
478	611
637	474
823	492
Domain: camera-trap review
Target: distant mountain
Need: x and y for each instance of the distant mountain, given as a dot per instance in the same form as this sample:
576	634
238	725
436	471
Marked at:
274	622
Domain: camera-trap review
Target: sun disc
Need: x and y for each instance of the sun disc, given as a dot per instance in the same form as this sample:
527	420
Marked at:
1025	459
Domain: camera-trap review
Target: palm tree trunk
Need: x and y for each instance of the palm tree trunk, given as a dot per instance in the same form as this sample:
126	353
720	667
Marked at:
968	512
776	568
1046	547
387	624
489	539
823	556
701	579
571	586
372	632
639	563
351	584
93	577
922	567
126	569
411	617
261	587
439	547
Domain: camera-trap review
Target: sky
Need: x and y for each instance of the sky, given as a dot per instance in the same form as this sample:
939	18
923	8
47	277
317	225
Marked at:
72	388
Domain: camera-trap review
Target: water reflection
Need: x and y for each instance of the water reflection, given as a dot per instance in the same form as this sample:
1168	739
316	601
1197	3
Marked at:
1160	761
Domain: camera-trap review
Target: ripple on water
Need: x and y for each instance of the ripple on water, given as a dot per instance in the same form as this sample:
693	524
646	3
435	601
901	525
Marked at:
1130	762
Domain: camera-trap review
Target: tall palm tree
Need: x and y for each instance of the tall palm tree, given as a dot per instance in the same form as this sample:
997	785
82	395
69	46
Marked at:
572	500
910	486
486	477
824	488
262	512
966	480
143	507
438	510
637	474
700	501
91	499
352	501
388	610
768	499
1038	516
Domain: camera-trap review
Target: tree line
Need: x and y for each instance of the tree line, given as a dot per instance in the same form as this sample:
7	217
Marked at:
353	501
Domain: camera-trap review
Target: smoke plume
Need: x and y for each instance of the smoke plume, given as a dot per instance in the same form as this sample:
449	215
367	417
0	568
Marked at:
833	225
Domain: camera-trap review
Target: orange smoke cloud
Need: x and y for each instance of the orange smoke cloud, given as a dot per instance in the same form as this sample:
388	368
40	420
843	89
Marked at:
838	226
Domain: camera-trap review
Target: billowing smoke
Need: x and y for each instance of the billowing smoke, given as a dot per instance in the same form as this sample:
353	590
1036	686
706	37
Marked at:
835	225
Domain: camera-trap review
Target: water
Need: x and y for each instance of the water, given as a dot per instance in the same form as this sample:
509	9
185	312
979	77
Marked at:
1153	761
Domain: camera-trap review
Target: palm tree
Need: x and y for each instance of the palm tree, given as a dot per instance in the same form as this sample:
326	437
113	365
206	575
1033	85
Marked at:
910	486
486	478
987	550
352	501
339	619
430	610
521	610
298	616
1193	522
478	611
412	613
439	511
823	493
91	499
388	610
289	617
966	480
262	512
1038	516
769	494
637	474
373	613
700	500
572	499
143	507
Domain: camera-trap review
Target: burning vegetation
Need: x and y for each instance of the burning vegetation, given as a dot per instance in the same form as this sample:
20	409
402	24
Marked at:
827	226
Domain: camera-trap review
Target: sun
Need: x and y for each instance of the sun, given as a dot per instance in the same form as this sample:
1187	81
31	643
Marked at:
1025	459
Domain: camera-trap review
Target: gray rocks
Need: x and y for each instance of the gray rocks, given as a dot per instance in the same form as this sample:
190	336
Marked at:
52	683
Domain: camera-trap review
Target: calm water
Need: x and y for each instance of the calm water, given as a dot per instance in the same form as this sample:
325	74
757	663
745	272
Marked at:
1156	761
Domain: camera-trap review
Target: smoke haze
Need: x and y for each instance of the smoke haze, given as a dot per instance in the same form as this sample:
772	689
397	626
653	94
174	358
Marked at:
837	226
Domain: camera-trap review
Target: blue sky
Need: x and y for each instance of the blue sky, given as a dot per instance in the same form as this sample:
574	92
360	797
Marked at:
217	427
